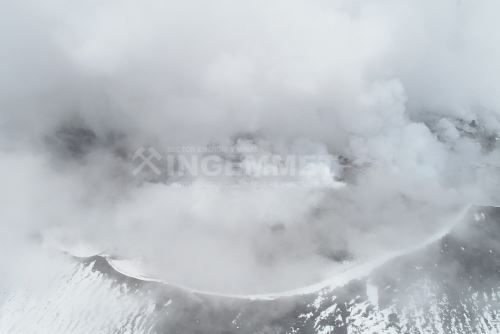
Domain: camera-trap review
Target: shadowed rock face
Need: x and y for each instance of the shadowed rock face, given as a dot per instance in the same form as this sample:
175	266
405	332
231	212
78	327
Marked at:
451	286
72	140
76	140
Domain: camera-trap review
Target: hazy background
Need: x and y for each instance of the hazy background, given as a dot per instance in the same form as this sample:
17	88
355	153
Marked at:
402	95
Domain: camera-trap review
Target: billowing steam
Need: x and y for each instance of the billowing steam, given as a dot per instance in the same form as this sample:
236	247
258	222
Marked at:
400	97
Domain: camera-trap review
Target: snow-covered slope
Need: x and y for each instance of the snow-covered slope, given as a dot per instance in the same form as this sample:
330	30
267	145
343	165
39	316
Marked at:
450	286
80	299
